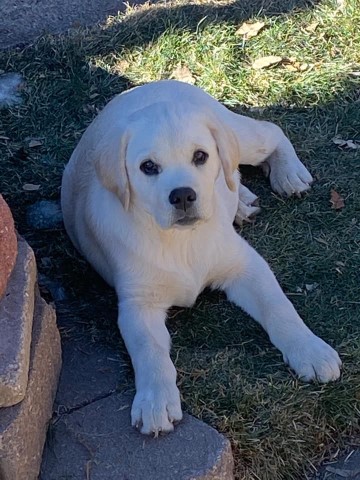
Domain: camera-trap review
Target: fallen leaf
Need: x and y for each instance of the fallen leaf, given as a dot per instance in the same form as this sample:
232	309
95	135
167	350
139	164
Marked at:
340	264
291	68
35	143
345	143
183	74
303	67
249	30
122	66
354	74
338	141
30	187
312	27
352	144
311	286
265	62
337	201
293	65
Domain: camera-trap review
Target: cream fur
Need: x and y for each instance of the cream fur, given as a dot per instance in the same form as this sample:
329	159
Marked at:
124	224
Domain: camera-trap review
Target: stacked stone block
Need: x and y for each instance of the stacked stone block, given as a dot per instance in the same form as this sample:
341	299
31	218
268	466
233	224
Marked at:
30	357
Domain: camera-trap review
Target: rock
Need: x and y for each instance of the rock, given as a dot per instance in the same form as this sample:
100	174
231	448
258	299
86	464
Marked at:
8	245
10	84
44	214
56	290
97	442
16	317
23	427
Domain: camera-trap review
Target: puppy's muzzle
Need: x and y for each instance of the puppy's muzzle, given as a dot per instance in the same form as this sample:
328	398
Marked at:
182	198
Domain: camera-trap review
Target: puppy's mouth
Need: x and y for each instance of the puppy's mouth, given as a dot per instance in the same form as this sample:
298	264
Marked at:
187	221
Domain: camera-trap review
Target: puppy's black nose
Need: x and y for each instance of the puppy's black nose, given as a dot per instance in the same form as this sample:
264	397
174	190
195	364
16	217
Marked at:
182	198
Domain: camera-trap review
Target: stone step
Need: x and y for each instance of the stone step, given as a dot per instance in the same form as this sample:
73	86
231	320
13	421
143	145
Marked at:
23	426
97	442
8	245
16	319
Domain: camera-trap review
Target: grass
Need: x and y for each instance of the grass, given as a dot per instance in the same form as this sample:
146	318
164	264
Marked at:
229	373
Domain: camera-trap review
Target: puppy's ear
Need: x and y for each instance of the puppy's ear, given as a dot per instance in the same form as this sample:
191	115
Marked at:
110	165
228	150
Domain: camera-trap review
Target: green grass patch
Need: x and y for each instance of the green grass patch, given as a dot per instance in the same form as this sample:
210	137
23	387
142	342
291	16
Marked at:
229	373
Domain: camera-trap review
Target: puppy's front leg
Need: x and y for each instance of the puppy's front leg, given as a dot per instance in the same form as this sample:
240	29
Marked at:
257	291
157	401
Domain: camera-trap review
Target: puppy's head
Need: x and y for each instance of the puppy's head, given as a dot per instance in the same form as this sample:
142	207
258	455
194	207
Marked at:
169	163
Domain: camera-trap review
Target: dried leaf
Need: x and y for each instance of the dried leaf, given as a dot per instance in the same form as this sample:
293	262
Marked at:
337	201
35	143
345	143
291	68
293	65
303	67
249	30
122	66
311	286
30	187
183	74
352	144
312	27
354	74
339	141
265	62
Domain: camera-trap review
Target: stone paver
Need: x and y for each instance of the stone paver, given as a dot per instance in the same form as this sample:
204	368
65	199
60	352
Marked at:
90	371
91	434
16	318
97	442
23	426
8	245
347	467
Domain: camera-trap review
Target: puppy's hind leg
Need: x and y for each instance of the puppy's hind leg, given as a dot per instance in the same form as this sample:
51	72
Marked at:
260	142
288	175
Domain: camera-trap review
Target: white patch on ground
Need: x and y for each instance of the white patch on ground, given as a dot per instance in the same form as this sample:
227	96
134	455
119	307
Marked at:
9	89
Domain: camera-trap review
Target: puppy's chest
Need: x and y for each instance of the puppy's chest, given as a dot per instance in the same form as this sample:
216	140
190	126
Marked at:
182	284
182	291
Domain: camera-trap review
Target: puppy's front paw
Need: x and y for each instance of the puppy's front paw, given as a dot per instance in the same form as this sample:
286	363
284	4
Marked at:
155	408
247	206
313	359
290	178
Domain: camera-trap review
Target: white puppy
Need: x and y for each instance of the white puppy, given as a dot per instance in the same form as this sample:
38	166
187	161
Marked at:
150	196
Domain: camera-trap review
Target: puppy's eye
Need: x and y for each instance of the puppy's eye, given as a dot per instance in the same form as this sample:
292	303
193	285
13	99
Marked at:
200	157
150	168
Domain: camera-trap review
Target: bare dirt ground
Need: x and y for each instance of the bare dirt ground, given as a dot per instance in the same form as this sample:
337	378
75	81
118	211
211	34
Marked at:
24	20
